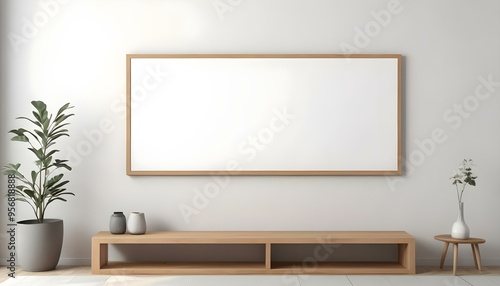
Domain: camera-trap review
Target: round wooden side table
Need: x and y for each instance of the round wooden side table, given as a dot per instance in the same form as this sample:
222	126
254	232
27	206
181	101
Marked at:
474	243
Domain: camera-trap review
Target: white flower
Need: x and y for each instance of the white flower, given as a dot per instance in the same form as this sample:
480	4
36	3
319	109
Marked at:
457	177
463	177
466	165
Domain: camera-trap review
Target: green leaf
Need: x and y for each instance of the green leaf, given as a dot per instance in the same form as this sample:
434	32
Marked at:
23	132
61	118
61	131
8	171
47	161
30	120
54	180
20	188
38	153
38	118
60	193
62	109
61	164
33	176
30	193
20	138
56	199
59	127
39	105
13	166
54	137
51	153
54	188
45	122
41	135
18	132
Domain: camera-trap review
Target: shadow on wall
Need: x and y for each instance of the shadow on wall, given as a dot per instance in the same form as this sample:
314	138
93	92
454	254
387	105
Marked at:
4	7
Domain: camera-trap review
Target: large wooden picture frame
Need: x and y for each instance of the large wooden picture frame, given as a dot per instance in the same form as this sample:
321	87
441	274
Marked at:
321	114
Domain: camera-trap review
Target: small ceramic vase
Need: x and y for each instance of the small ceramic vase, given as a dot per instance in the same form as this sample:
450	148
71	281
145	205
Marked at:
136	223
117	223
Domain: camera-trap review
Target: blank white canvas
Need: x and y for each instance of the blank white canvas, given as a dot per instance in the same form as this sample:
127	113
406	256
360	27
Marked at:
269	114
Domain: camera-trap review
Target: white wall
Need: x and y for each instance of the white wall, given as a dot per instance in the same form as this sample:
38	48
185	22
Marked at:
77	55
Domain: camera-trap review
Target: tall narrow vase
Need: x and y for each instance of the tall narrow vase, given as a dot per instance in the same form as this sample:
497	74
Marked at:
460	230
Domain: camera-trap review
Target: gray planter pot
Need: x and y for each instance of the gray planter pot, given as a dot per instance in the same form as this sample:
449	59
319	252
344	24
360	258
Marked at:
39	244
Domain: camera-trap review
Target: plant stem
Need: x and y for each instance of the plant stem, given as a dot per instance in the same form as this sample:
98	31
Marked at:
462	193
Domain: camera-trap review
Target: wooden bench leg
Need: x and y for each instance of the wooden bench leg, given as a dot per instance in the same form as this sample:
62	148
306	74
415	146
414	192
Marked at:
443	255
455	258
477	256
474	255
99	257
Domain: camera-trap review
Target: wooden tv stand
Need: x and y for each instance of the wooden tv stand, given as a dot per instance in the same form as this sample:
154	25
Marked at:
266	240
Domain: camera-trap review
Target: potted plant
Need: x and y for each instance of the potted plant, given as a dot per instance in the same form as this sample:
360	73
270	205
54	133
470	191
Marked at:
40	239
463	176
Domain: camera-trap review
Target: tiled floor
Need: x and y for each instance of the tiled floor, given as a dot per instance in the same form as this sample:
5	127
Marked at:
255	280
426	276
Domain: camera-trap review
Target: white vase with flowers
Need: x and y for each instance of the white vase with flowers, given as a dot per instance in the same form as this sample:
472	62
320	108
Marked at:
461	178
